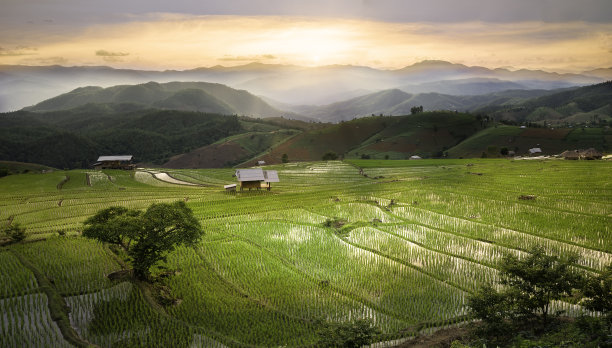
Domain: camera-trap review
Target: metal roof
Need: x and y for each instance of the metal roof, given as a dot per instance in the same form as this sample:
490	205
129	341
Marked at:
115	158
257	174
535	150
271	175
250	175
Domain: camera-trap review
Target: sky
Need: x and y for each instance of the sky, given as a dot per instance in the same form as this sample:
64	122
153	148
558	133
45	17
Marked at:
551	35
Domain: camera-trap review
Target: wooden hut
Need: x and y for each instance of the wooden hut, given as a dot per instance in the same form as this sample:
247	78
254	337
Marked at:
256	178
590	154
571	155
115	162
535	151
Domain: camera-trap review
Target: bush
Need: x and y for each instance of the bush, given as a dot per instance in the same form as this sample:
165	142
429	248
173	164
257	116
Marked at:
352	334
15	232
330	156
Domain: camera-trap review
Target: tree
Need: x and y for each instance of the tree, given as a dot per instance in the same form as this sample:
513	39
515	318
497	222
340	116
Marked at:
536	280
598	291
146	236
416	109
330	156
353	334
492	308
531	284
285	158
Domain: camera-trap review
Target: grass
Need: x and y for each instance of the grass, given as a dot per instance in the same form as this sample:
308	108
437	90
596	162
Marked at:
269	271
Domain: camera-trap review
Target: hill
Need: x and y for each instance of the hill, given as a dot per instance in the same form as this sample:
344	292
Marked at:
396	102
187	96
75	138
567	106
586	105
428	134
489	142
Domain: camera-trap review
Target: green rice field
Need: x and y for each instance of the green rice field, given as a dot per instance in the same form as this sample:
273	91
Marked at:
402	243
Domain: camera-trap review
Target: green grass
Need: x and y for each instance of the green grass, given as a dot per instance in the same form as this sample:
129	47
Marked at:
419	236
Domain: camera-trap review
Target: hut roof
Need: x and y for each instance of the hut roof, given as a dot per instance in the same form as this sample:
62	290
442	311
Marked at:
257	174
250	175
271	175
591	153
570	153
535	150
115	158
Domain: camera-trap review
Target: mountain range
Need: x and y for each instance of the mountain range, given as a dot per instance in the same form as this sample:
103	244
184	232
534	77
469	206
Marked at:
22	86
559	106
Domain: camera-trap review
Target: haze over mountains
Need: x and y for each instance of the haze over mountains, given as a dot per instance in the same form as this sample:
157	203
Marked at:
288	85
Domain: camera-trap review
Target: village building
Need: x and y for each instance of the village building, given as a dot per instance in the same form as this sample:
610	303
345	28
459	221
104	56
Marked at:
115	162
571	155
256	178
230	188
588	154
415	157
261	163
535	151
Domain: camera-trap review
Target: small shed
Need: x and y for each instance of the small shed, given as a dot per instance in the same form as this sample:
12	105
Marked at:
535	151
256	178
415	157
115	162
230	188
261	163
571	155
590	154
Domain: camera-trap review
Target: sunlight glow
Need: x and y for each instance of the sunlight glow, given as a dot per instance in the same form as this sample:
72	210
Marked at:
184	42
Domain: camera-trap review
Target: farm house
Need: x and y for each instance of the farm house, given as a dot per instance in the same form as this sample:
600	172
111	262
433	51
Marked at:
256	178
571	155
535	151
115	162
588	154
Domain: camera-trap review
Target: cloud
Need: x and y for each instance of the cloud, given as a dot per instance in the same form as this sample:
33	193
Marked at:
111	57
17	51
105	53
47	61
251	58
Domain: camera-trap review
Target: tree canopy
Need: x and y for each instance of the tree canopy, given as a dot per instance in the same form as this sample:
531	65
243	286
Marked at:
529	285
146	236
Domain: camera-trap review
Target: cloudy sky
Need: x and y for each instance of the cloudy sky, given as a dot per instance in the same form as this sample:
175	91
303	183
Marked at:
553	35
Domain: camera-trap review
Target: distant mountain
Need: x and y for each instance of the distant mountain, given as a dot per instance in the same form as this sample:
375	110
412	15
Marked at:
187	96
22	86
570	105
470	86
591	104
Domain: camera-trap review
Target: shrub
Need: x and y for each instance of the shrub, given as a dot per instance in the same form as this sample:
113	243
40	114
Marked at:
15	232
352	334
330	156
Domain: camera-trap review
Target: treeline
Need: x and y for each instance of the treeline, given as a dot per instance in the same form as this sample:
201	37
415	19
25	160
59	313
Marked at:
75	138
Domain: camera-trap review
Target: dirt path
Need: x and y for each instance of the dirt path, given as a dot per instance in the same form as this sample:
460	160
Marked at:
167	178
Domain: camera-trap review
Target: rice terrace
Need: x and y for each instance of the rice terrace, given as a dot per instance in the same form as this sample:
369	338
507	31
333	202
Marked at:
401	243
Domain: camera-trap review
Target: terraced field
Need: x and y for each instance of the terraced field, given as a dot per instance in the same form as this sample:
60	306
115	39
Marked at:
400	242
